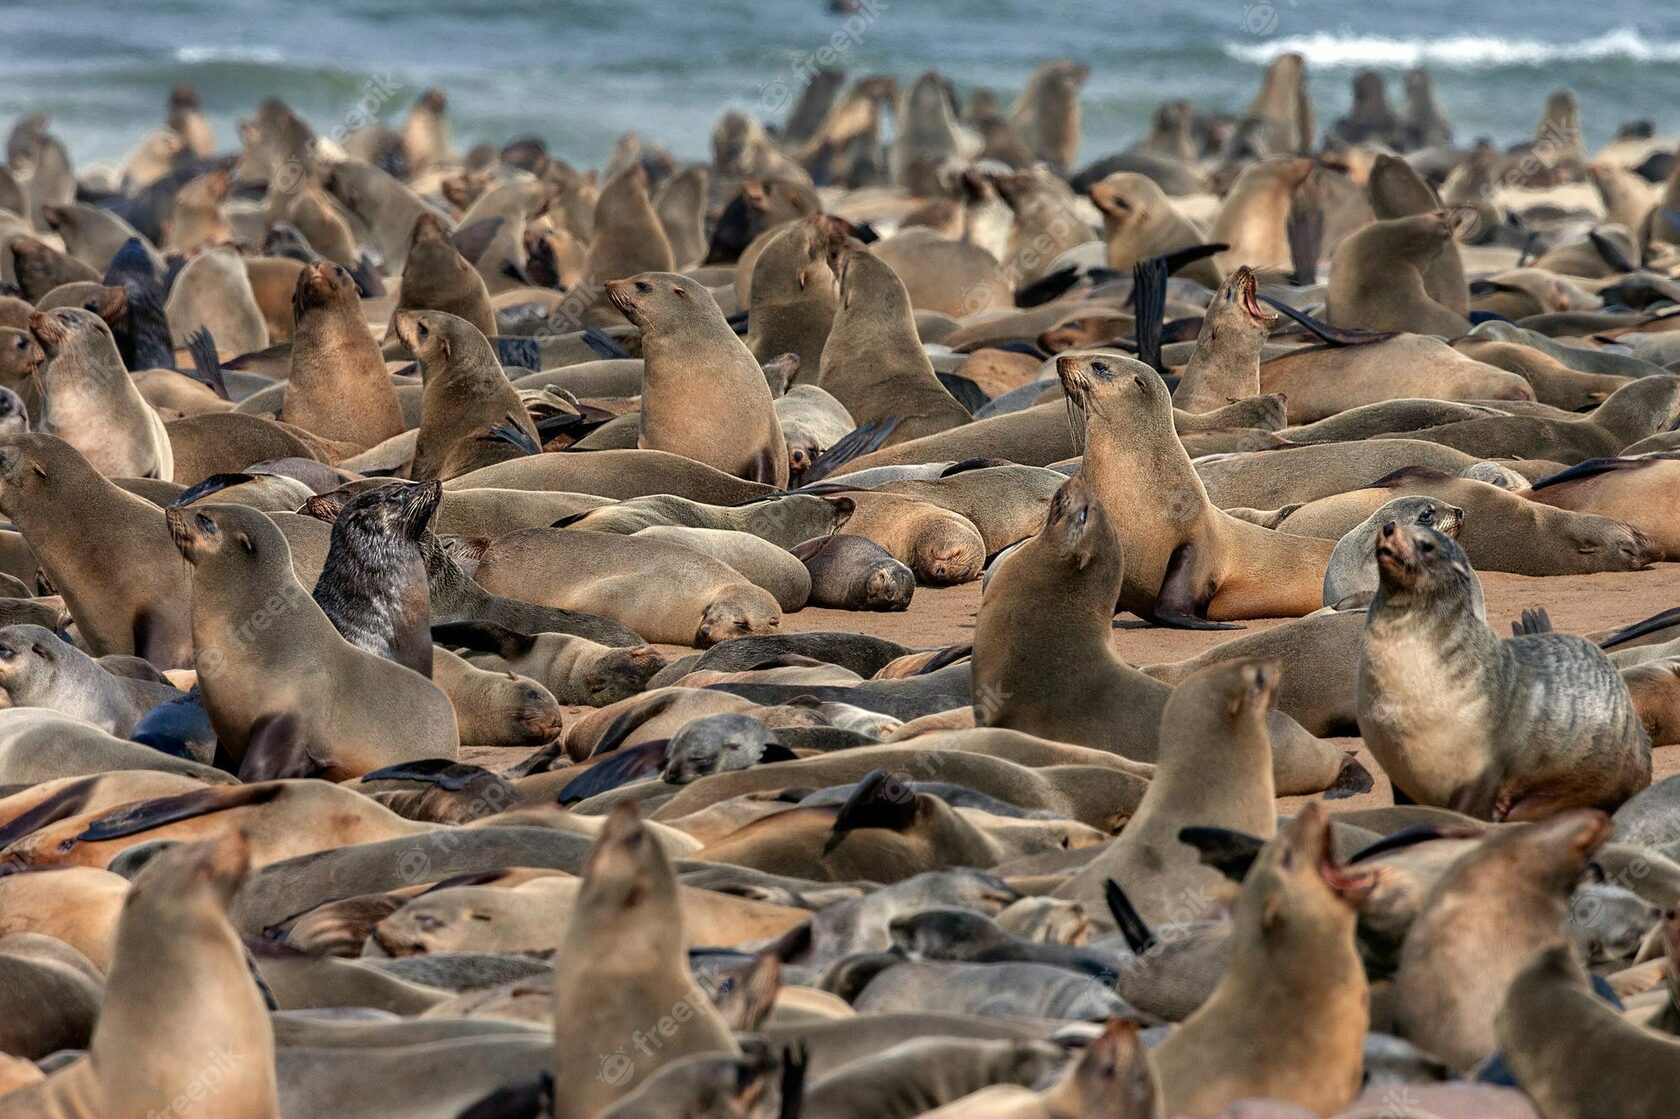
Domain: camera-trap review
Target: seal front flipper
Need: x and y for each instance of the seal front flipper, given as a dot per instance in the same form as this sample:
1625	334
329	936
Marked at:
1532	621
471	240
879	801
1229	852
1140	938
1639	629
1179	603
854	444
485	637
275	750
148	815
1330	335
1351	780
1149	304
206	364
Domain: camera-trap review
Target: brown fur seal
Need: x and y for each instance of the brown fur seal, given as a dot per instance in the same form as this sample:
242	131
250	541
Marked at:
124	596
1185	557
626	237
794	295
1055	594
273	670
497	709
1253	217
1322	381
1572	1053
1635	491
1293	947
182	1023
1376	277
1398	191
625	1002
615	474
38	669
873	362
1214	769
466	393
197	219
338	387
436	277
945	276
703	394
214	292
1497	728
1139	222
575	669
1113	1077
665	592
92	402
1225	365
850	572
1480	923
373	584
1047	113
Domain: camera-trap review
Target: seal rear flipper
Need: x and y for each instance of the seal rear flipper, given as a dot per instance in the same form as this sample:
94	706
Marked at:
521	353
1532	622
1411	836
541	761
484	637
528	1099
207	366
1149	305
147	815
213	484
879	801
1589	469
854	444
442	772
964	391
1178	603
1229	852
508	431
1610	252
275	750
1140	938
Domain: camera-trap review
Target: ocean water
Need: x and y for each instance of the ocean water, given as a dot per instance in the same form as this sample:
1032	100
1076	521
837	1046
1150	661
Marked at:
581	72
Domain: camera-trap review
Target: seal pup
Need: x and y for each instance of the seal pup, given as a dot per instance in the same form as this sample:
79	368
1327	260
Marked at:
1292	947
1225	365
623	973
123	596
1480	922
465	393
1186	559
703	393
1213	769
337	387
1497	728
92	402
279	696
373	586
436	277
850	572
179	1002
1351	579
1043	664
873	362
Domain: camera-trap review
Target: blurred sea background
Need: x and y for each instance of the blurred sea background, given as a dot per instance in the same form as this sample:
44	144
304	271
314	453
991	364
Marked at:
581	72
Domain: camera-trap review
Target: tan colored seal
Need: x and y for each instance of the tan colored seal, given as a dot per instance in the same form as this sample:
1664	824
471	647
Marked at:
338	387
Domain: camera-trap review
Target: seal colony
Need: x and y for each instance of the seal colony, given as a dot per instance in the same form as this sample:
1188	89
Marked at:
906	617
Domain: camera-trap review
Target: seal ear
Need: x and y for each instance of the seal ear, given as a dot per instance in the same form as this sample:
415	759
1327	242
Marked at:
244	541
37	468
844	508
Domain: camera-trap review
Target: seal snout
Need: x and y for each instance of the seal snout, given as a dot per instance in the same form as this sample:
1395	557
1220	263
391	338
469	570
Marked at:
49	332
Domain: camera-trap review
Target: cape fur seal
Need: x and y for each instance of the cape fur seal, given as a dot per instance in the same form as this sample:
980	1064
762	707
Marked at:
1497	728
93	404
466	394
703	395
1186	559
337	387
276	693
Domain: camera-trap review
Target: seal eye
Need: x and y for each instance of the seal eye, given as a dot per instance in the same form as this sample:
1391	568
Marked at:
421	330
1426	547
643	287
205	524
7	652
